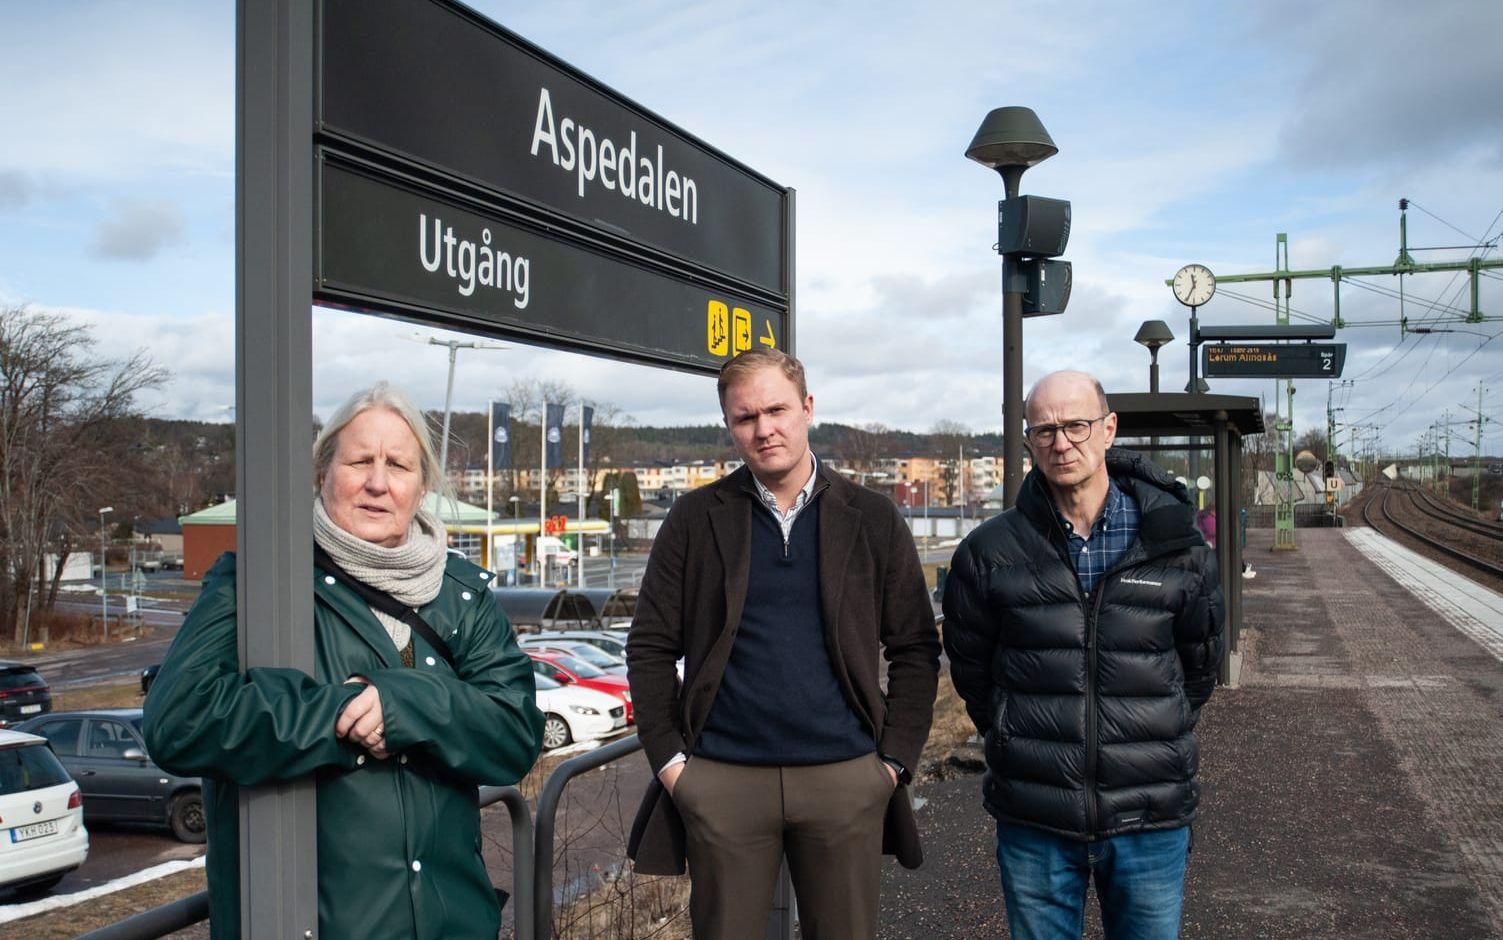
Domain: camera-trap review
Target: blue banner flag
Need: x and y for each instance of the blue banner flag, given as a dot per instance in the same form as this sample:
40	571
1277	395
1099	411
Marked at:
554	435
500	435
584	429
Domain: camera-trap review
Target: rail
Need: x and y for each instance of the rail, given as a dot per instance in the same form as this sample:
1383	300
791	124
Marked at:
532	863
1480	564
548	803
1436	509
780	920
185	912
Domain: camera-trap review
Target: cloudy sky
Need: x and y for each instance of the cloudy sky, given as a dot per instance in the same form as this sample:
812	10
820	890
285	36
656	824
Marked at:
1187	132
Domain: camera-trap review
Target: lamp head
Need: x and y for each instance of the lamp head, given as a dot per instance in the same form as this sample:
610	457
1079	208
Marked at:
1153	334
1011	137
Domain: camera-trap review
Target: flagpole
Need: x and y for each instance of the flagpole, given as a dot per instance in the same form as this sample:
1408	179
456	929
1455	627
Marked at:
579	502
542	488
490	484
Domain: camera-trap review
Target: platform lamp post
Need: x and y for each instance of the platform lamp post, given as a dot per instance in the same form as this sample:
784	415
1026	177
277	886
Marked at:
104	560
1154	334
1010	140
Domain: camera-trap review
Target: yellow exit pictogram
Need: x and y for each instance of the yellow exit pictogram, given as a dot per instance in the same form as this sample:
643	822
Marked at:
728	330
743	332
717	328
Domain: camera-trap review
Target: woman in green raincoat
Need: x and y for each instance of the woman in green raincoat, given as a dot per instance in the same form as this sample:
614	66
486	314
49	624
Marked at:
396	739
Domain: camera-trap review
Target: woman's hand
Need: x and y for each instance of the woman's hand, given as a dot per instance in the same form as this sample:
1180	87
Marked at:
361	722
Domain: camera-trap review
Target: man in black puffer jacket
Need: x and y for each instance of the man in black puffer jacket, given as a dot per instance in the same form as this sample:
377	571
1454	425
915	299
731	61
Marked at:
1083	628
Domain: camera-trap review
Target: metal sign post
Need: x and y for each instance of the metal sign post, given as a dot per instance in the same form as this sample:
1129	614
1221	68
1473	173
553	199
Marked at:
274	407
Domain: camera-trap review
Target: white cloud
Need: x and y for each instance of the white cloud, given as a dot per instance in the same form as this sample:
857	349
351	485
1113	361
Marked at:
137	231
15	189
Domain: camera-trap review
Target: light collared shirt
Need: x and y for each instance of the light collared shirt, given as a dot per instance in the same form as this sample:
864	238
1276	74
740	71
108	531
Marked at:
786	518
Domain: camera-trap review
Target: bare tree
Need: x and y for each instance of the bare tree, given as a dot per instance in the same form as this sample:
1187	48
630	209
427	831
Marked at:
948	438
864	446
61	413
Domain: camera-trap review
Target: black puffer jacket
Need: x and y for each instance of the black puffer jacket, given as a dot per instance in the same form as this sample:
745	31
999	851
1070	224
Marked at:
1087	702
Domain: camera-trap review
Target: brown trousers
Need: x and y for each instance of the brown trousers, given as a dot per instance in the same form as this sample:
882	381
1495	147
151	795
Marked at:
739	822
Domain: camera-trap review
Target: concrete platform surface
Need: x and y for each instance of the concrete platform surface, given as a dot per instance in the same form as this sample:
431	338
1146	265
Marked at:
1352	786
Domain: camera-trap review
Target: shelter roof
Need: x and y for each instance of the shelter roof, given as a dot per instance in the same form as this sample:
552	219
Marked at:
1179	414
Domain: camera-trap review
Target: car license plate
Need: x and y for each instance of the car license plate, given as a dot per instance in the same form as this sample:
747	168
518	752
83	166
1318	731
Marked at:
34	831
30	709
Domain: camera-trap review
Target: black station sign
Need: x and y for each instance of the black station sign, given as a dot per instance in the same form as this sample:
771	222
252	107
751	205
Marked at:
399	247
439	87
1273	360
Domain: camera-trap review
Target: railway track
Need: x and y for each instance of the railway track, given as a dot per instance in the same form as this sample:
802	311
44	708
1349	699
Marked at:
1479	564
1439	510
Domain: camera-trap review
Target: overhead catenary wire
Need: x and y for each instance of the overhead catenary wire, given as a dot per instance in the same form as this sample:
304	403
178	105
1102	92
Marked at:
1369	373
1465	234
1431	387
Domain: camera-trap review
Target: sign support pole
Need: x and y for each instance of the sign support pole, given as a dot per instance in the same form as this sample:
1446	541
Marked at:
274	405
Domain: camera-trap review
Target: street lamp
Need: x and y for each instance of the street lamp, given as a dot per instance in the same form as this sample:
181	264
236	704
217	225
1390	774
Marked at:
927	531
104	558
1010	140
454	346
1153	334
516	524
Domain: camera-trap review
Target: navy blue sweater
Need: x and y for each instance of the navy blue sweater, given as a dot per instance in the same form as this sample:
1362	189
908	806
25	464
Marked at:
779	701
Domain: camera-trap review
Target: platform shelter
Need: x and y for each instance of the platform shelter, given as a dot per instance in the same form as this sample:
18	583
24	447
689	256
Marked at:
1176	421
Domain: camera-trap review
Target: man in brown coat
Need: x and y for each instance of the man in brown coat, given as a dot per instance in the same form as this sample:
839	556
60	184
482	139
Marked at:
780	586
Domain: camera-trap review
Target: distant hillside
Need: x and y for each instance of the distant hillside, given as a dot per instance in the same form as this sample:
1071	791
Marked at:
208	448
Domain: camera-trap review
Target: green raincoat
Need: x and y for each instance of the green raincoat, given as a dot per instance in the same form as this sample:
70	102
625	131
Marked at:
399	847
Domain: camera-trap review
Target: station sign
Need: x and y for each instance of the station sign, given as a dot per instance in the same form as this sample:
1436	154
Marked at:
1273	360
394	245
430	92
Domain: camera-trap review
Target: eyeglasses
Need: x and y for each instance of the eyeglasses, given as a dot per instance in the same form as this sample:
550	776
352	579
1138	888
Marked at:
1076	432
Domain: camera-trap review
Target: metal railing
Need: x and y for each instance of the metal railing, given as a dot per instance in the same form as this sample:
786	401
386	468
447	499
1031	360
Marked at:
533	856
548	802
185	912
157	922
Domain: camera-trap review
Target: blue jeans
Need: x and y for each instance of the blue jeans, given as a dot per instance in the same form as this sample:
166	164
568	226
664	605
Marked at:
1140	879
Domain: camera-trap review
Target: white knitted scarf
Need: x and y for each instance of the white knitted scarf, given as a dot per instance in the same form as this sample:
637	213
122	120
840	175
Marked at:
412	572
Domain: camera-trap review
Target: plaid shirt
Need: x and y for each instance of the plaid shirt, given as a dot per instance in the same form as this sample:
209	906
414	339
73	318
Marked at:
1111	535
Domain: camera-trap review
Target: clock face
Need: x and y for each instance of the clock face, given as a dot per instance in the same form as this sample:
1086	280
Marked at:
1194	284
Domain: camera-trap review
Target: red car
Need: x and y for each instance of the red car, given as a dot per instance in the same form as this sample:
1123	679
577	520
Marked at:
571	670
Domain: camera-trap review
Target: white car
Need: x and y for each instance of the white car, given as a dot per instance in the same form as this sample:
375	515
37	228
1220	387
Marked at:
571	713
42	834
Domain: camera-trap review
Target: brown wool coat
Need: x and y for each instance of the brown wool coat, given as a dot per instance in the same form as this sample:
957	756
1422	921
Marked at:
874	602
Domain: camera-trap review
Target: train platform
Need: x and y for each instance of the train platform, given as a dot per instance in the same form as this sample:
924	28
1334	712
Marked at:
1352	782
